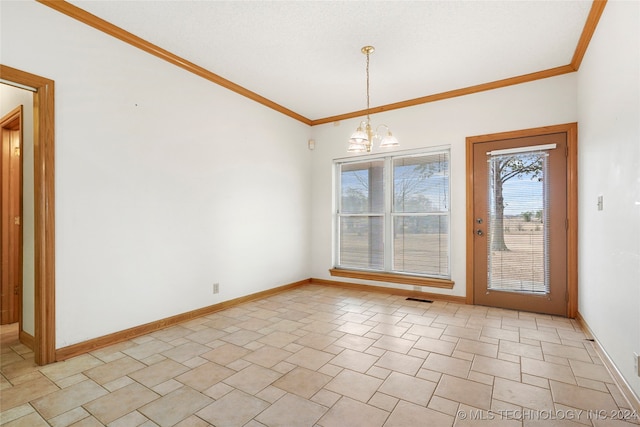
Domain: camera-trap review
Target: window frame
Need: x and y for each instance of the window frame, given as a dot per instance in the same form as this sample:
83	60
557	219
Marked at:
388	274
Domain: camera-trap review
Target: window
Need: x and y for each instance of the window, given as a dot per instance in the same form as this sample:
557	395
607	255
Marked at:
393	213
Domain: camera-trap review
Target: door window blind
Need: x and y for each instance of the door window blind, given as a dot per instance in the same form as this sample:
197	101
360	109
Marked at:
518	240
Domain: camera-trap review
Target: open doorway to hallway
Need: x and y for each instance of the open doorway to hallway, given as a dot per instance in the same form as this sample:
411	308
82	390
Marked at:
17	221
42	102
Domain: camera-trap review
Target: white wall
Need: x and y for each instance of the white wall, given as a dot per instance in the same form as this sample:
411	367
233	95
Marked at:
609	165
165	182
10	98
540	103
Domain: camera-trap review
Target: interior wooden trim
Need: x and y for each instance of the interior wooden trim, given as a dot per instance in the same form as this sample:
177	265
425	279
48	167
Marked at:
571	129
44	206
392	291
597	7
552	72
117	32
543	130
572	215
470	223
404	279
26	339
621	382
11	117
127	334
11	122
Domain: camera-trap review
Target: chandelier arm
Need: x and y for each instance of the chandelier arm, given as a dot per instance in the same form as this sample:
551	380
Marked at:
382	125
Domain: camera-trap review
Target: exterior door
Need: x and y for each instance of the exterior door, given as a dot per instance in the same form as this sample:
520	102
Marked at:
11	229
520	223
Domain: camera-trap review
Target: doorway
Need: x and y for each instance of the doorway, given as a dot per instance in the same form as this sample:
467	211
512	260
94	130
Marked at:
521	220
44	209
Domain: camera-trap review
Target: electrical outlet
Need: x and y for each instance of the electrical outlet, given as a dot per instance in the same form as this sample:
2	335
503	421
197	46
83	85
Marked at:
417	288
636	363
216	288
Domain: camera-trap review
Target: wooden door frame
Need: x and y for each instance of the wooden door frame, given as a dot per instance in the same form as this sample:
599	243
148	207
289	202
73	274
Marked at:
571	129
44	209
12	122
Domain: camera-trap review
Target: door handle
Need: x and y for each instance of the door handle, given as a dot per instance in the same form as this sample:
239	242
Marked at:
479	232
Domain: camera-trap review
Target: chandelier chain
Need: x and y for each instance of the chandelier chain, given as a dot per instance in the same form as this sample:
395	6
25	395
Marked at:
368	99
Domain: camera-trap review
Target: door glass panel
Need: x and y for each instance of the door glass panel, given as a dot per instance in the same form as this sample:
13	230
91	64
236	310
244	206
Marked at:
518	238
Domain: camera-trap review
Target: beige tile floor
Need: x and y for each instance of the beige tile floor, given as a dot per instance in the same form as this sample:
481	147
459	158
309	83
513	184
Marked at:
324	356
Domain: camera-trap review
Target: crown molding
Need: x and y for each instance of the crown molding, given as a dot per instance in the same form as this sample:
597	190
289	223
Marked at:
100	24
127	37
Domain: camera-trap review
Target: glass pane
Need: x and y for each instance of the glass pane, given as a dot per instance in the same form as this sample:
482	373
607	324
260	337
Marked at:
518	241
361	242
421	244
362	187
421	183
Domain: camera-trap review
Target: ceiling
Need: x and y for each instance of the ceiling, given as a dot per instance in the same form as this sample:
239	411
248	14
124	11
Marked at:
305	55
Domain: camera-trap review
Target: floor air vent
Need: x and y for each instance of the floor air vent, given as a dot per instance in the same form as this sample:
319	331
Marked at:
419	300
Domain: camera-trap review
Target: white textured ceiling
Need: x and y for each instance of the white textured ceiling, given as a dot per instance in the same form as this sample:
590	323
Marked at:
305	55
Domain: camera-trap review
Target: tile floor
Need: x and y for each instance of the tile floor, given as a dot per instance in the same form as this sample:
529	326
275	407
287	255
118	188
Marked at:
324	356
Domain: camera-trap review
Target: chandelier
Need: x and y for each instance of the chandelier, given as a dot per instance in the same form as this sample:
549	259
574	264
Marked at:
362	139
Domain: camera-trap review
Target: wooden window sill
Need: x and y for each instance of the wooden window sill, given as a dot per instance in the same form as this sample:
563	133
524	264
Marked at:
393	278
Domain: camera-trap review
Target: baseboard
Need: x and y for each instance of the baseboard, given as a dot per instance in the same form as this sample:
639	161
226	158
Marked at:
127	334
26	339
623	385
383	289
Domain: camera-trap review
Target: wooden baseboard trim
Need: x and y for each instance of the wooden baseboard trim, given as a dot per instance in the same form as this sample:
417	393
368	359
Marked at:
127	334
623	385
393	291
26	339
